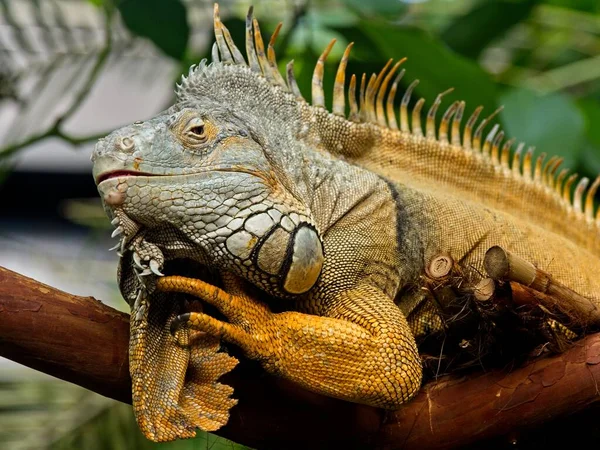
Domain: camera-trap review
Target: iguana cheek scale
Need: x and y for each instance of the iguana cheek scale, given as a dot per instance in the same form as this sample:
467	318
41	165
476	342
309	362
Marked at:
332	218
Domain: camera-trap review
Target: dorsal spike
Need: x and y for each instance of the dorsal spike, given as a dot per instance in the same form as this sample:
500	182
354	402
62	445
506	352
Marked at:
496	146
552	172
579	193
480	128
456	123
221	44
318	96
214	53
527	166
361	97
430	124
445	123
291	80
558	186
566	193
381	120
260	52
273	60
250	49
546	170
487	143
367	113
238	58
516	163
352	99
505	153
373	89
469	128
404	106
391	114
589	200
339	105
416	118
539	162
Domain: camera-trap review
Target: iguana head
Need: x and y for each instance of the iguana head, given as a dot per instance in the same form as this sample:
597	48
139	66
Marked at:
224	176
217	178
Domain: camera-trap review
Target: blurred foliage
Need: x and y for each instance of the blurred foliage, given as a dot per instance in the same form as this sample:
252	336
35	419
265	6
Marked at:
472	32
538	58
48	413
141	17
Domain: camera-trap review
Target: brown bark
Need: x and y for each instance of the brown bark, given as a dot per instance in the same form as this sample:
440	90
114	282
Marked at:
83	341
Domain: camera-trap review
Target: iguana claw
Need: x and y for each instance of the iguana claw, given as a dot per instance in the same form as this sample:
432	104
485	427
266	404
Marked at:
155	268
137	260
117	231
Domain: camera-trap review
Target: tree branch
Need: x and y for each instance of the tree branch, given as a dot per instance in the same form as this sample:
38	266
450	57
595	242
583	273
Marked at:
83	341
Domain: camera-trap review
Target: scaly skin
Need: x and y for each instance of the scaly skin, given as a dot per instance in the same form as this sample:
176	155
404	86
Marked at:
331	219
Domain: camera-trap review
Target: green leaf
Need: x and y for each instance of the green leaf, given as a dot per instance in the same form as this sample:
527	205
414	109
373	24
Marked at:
591	111
382	8
471	33
429	60
590	155
164	22
552	123
581	5
590	160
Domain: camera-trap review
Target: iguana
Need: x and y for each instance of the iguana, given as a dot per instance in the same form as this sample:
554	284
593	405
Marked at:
306	228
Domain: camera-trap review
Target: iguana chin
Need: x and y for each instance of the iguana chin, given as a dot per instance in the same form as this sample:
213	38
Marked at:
333	217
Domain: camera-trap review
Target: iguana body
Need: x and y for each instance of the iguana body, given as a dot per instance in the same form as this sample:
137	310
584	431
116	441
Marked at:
333	218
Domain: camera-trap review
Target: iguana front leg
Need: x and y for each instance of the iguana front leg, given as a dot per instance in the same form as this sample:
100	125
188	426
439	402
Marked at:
362	352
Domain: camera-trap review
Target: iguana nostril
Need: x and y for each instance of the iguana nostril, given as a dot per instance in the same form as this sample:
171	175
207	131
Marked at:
126	144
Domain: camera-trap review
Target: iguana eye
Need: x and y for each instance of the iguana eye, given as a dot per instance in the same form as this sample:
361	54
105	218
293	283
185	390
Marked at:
198	130
195	131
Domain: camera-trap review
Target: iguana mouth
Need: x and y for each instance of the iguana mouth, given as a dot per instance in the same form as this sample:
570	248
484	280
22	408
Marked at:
121	173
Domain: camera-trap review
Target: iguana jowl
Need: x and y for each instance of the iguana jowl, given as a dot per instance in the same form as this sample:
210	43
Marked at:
335	217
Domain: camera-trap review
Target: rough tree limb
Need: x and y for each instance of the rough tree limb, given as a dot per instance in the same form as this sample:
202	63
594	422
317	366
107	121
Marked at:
83	341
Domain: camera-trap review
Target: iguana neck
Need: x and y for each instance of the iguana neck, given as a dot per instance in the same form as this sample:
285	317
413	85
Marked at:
345	200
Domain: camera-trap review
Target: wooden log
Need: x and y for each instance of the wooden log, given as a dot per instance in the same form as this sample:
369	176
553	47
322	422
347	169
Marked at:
484	290
440	266
77	339
84	341
557	298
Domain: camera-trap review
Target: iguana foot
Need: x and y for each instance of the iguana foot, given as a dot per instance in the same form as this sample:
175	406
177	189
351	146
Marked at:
353	353
247	315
